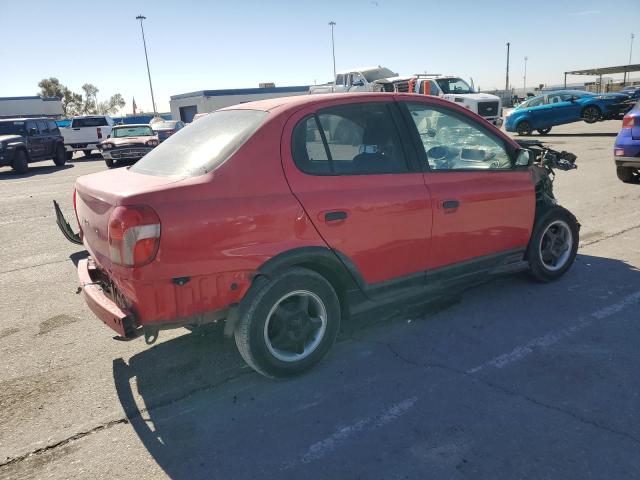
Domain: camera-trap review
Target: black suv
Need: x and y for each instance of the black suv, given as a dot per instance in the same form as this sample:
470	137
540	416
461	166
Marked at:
24	140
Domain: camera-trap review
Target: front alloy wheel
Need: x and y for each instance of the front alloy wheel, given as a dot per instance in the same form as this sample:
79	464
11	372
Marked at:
524	128
555	245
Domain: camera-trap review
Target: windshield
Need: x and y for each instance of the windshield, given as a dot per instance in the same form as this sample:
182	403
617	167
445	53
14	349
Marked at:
454	85
377	74
12	128
202	146
131	132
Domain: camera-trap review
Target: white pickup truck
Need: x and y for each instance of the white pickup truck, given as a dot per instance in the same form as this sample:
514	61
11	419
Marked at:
365	79
455	90
85	133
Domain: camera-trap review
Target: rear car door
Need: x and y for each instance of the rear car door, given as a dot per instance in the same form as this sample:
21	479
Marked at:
35	144
350	169
483	205
45	133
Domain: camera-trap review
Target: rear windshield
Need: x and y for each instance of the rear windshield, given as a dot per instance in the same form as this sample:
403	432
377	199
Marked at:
201	146
132	132
12	128
89	122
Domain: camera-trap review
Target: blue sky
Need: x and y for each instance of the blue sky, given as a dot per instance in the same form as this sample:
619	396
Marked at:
196	45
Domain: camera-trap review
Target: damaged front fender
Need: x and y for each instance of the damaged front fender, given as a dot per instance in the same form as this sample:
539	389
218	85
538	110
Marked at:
64	226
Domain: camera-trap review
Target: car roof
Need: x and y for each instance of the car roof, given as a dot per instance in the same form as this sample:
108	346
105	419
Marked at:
21	119
132	125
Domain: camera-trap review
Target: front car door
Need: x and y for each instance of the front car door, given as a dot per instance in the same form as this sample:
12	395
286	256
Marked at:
360	185
483	205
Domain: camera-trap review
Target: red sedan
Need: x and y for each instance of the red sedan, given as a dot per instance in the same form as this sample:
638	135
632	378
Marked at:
285	216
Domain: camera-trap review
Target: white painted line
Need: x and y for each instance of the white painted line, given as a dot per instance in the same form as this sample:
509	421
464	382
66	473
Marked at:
327	445
554	337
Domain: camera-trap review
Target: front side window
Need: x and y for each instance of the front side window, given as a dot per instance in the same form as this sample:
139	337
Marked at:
132	132
356	139
454	85
452	142
43	126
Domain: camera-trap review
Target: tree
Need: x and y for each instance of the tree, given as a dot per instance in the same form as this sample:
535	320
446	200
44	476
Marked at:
77	104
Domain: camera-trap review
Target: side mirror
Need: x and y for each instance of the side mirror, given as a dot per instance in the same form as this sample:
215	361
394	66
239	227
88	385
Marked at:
525	158
357	83
33	131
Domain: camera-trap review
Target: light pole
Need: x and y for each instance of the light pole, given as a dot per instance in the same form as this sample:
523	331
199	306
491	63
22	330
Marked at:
525	76
631	48
333	52
153	100
506	85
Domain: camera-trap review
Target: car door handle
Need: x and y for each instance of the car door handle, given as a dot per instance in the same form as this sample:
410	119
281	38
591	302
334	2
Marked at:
449	204
335	216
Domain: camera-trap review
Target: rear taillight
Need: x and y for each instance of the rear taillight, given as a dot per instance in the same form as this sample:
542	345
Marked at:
134	235
99	131
628	121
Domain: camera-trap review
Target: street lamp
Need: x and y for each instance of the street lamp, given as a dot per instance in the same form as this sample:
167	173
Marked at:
333	52
153	101
631	48
525	75
506	85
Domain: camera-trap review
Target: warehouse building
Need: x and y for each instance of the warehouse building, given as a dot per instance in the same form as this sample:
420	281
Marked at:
34	106
186	105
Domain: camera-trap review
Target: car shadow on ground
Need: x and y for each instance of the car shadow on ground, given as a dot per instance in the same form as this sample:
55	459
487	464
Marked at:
9	174
200	437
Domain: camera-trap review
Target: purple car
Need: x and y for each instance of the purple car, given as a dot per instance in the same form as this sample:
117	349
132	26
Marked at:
627	147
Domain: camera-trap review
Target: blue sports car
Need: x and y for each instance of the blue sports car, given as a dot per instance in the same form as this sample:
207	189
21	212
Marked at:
565	106
626	149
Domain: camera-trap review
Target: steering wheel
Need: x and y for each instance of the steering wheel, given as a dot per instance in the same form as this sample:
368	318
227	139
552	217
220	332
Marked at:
440	156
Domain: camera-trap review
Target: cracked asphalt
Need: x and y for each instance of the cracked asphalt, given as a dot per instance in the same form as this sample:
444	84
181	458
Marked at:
512	379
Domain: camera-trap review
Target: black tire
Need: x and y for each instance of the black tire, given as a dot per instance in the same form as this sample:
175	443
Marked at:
550	218
524	128
628	174
110	163
60	156
591	114
269	295
544	131
20	162
87	153
68	155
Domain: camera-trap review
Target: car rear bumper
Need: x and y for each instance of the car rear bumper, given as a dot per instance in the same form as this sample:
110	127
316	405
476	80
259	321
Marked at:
633	162
119	320
74	147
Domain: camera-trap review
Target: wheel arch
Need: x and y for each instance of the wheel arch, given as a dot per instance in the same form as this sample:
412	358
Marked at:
333	266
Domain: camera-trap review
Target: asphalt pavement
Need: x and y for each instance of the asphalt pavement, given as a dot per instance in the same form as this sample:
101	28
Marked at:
511	380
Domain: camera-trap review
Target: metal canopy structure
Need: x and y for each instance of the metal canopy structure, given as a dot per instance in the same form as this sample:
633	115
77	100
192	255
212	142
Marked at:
604	71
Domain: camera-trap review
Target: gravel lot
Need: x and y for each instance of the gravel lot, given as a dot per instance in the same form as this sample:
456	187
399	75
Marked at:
512	380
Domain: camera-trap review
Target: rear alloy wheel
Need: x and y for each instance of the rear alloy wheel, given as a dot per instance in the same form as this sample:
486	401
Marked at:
20	162
524	128
591	114
87	153
544	131
553	245
60	157
628	174
288	322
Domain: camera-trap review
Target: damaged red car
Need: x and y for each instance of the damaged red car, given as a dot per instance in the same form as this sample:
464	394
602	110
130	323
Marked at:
284	217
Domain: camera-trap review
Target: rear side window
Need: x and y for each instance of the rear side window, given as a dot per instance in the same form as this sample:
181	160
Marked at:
89	122
203	145
355	139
